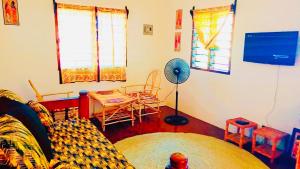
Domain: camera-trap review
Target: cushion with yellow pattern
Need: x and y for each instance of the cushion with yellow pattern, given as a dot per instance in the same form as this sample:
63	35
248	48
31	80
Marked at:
10	95
78	143
43	114
18	147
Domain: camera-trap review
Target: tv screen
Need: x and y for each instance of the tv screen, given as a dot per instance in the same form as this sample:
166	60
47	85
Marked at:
276	48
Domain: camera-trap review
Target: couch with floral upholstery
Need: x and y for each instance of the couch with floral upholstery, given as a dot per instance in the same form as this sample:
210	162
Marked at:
30	138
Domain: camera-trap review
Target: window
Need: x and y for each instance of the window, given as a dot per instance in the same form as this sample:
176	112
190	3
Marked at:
112	44
211	41
91	43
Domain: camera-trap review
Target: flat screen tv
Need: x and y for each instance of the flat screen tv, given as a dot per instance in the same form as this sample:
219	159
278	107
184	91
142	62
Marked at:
276	48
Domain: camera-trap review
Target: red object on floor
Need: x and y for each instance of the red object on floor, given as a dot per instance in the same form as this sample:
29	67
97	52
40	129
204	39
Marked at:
178	161
274	136
239	137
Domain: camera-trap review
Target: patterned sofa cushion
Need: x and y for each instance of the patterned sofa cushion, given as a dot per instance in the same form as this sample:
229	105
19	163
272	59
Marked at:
30	120
78	143
10	95
18	147
42	113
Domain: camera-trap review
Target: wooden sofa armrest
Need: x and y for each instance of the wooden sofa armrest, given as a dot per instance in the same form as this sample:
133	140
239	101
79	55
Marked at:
59	93
82	102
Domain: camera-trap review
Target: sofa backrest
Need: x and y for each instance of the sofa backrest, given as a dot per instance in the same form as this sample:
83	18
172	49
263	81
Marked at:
29	118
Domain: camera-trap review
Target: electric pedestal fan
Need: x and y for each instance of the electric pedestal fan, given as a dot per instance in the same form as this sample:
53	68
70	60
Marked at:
177	71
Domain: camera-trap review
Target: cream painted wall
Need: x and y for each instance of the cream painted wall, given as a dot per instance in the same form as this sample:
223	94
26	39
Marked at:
250	89
28	51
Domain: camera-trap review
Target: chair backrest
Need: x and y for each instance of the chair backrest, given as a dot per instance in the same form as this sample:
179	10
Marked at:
39	97
153	82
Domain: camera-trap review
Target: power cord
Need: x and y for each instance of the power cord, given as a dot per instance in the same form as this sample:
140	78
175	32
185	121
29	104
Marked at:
274	99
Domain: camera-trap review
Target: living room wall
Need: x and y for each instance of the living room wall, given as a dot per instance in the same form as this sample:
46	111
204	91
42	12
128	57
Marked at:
28	51
249	91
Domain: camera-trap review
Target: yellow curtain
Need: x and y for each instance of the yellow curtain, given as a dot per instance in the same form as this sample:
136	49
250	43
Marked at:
208	23
77	45
112	41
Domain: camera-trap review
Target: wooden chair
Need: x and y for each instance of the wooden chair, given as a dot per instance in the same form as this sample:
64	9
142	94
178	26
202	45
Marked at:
147	94
40	97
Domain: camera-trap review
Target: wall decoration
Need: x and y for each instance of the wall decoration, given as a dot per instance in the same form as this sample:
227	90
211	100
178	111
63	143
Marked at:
148	29
10	12
294	145
179	19
177	41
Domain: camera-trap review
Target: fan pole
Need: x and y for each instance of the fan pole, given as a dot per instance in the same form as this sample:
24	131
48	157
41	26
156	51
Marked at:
176	119
176	108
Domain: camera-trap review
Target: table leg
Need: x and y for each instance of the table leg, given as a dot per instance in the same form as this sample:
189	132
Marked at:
103	119
66	114
242	138
274	142
93	102
132	116
158	111
140	112
226	131
253	142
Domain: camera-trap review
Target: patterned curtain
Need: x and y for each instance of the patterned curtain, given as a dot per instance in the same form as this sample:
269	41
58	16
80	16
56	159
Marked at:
208	23
112	26
76	43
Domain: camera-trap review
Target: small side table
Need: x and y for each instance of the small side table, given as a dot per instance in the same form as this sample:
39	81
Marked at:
239	137
265	149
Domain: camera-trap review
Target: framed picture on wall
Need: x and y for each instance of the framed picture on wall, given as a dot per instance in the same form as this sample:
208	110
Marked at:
177	41
179	19
294	144
10	12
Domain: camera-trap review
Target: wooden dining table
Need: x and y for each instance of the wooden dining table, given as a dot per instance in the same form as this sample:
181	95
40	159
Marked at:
115	107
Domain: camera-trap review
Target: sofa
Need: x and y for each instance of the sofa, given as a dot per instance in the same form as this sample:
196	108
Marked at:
31	138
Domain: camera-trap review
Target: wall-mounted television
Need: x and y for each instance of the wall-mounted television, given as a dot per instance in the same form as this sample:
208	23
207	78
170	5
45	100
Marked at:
276	48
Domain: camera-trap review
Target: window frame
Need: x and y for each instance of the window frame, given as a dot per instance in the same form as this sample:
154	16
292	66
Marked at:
230	50
96	26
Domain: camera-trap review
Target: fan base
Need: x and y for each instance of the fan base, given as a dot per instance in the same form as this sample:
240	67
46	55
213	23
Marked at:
176	120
